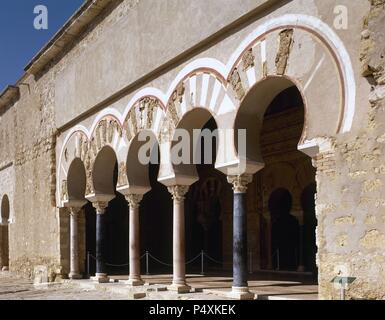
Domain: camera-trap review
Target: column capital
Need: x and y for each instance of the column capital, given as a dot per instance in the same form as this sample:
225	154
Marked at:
134	200
100	206
178	192
240	182
74	210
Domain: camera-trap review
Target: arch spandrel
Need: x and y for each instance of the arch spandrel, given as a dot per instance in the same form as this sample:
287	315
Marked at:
76	147
274	53
279	52
135	171
201	88
145	115
107	133
73	189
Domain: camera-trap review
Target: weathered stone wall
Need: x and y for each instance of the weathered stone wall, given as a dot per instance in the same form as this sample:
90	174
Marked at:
351	185
33	236
7	151
7	172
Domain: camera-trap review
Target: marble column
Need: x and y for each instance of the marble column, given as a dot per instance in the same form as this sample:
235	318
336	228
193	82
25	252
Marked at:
74	243
240	288
134	244
101	273
179	269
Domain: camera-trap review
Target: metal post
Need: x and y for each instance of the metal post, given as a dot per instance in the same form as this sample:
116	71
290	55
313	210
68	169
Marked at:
202	261
147	263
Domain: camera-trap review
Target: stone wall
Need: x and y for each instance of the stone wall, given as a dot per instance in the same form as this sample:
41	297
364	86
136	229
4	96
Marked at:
351	220
33	237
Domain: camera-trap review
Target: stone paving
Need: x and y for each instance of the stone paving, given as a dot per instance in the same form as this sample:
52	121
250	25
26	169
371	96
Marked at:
203	288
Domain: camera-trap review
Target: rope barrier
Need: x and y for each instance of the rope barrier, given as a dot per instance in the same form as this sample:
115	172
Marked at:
116	265
110	264
159	261
201	254
212	259
193	259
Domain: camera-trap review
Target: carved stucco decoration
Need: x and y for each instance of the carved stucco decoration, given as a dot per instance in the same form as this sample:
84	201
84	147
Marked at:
180	92
122	175
83	145
141	116
178	192
134	200
147	108
236	84
176	98
103	135
240	182
248	59
132	124
285	44
88	166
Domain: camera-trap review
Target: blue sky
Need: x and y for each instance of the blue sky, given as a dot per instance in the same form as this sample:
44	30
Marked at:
19	40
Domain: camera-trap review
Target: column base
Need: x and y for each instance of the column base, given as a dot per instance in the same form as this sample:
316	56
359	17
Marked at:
101	278
241	293
134	282
75	276
179	288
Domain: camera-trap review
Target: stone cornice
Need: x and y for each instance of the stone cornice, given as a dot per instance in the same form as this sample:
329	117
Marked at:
5	165
9	96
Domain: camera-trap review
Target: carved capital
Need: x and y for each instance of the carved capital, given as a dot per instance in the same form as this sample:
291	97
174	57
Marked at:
240	182
178	192
74	211
134	200
100	206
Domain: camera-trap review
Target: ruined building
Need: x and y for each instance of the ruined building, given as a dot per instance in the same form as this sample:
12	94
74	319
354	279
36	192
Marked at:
308	89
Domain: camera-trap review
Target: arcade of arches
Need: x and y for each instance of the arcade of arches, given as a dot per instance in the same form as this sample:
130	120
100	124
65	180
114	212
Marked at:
118	226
